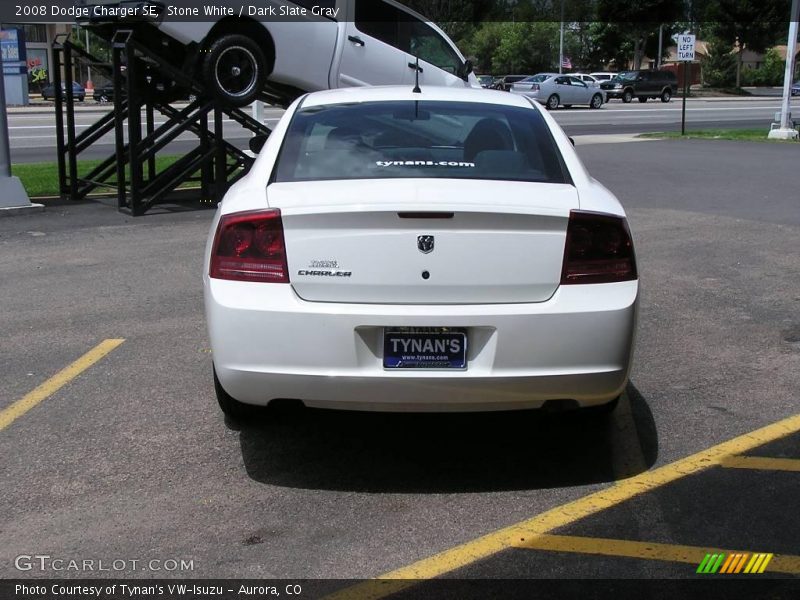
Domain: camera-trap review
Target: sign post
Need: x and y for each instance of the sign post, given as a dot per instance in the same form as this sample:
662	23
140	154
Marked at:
685	54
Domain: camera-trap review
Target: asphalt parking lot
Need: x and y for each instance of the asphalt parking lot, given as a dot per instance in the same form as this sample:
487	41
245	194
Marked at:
125	455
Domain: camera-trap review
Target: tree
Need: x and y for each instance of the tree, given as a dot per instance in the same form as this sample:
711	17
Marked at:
769	73
719	65
527	47
453	11
745	24
483	44
635	21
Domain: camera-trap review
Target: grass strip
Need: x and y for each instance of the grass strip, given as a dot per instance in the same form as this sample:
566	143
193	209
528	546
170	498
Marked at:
41	179
745	135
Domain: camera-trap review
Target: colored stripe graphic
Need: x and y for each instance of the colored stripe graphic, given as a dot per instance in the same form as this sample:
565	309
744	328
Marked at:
711	563
727	563
730	564
701	568
718	563
737	562
767	558
741	562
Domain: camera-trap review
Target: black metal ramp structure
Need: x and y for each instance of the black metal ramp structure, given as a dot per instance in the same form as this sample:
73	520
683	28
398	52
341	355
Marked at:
138	171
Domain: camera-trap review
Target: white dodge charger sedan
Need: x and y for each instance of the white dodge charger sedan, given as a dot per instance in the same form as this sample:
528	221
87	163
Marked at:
443	250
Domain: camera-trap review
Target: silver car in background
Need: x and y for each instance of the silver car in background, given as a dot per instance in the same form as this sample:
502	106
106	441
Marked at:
554	90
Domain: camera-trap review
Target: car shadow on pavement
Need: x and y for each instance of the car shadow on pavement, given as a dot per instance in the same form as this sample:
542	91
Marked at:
446	453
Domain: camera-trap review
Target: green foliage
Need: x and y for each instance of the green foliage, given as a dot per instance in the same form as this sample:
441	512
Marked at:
505	48
753	25
719	67
98	47
770	72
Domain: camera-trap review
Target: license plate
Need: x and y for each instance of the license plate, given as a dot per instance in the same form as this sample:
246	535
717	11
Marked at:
424	348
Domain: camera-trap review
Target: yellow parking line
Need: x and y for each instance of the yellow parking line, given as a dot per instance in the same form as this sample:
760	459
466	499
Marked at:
56	382
763	463
648	551
482	547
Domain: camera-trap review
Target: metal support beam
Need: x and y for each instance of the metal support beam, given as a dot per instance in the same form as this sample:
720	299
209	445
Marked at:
133	169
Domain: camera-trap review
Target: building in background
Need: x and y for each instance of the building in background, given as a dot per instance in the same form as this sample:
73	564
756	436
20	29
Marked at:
37	39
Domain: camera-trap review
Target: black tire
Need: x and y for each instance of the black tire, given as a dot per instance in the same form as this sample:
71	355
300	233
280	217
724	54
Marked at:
642	99
627	96
553	102
597	101
232	408
234	69
666	96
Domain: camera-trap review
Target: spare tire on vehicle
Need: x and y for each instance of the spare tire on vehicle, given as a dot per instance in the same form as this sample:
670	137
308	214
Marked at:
234	68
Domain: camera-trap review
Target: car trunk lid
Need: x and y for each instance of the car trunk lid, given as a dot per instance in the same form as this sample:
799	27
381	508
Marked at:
415	241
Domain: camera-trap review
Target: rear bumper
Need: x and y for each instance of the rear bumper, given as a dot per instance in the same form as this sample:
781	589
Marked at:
267	344
532	95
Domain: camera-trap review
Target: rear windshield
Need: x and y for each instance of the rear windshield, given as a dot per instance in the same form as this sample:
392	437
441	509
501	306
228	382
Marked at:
430	139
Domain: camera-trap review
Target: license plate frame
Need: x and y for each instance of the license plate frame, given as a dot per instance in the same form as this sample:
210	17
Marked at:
425	348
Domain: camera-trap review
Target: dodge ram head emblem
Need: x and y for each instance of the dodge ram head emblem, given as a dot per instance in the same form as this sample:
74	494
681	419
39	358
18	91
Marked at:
425	243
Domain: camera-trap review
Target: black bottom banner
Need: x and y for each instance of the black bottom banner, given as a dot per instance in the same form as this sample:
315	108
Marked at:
405	589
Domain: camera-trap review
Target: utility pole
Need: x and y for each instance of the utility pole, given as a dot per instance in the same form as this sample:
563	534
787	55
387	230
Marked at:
13	197
561	42
660	45
786	131
88	66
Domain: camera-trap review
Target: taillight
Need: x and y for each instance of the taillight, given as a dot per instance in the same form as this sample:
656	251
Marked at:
535	87
249	246
598	249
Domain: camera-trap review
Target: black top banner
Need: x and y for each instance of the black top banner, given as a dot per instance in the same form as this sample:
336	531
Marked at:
440	11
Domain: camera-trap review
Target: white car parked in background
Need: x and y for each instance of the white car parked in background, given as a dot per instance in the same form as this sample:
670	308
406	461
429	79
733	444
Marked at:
587	79
434	251
347	43
603	76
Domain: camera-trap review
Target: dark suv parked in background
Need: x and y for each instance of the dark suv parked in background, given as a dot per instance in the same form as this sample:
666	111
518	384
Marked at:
641	84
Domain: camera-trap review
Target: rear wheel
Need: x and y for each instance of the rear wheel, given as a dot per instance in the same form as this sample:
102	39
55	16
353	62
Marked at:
627	96
642	99
597	101
666	96
232	408
553	102
234	68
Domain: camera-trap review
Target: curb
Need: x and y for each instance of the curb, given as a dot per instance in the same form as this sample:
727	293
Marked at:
16	211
